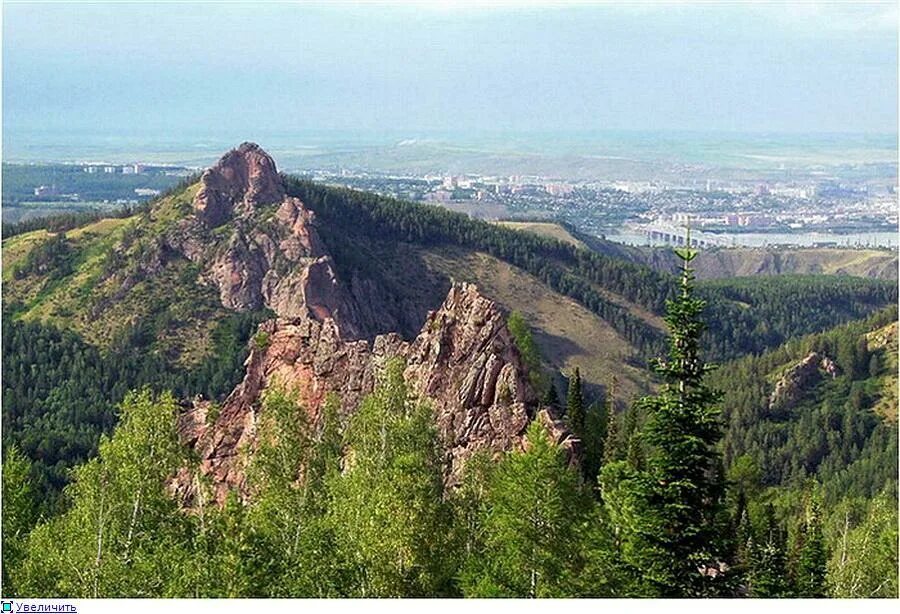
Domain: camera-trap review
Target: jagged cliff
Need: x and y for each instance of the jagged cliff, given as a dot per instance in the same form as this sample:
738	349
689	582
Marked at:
271	254
463	361
800	378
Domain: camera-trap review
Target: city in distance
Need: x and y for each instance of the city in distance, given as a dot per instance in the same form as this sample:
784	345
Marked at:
637	188
579	300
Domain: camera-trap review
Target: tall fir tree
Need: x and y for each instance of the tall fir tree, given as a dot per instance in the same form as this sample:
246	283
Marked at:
612	447
575	405
670	511
812	559
766	573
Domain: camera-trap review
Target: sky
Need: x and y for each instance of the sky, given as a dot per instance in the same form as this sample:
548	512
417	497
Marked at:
449	66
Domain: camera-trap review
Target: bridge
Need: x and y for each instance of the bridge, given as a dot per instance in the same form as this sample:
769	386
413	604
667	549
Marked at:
670	234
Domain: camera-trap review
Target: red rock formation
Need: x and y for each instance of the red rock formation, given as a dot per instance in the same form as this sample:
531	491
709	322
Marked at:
264	258
799	378
242	179
464	362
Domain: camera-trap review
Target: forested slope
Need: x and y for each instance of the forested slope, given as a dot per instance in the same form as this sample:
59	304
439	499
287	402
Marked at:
816	408
745	315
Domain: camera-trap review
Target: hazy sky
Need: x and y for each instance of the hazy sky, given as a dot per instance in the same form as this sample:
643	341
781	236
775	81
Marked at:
200	68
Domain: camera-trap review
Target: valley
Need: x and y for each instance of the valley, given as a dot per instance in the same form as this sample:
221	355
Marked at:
246	316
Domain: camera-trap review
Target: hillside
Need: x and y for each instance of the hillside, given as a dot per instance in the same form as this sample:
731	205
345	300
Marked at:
170	295
734	262
549	230
823	405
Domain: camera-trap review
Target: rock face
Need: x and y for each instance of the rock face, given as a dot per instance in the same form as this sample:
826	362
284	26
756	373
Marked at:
260	247
463	361
243	179
799	378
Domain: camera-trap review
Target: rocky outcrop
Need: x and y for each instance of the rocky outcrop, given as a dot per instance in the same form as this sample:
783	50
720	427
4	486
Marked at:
260	247
885	337
800	378
243	179
463	361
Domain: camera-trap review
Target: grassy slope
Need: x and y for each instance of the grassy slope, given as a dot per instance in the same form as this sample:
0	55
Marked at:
90	303
568	335
745	261
550	230
886	337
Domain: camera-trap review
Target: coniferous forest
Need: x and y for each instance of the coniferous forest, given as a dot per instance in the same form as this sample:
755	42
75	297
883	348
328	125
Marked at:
511	300
708	488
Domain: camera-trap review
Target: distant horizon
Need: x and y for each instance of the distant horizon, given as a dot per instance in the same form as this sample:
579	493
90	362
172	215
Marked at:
146	69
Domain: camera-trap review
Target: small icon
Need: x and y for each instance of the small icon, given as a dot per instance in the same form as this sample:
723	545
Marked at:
7	606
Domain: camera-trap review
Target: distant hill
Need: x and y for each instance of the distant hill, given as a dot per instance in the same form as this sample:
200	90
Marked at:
823	406
171	296
733	262
749	261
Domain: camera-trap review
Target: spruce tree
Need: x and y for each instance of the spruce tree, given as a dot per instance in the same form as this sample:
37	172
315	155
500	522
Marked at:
550	398
575	405
670	512
767	560
812	558
612	450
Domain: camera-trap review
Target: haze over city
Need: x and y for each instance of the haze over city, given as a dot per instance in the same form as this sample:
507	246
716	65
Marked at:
256	70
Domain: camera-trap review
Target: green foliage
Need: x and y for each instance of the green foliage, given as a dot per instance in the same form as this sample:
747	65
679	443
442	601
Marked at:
575	410
388	514
20	512
52	258
261	340
531	356
291	548
767	554
59	393
534	512
122	527
669	512
594	441
829	430
810	555
613	449
863	562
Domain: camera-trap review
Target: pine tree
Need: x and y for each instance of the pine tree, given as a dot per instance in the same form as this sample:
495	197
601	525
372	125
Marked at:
575	405
812	559
671	510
